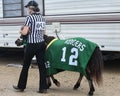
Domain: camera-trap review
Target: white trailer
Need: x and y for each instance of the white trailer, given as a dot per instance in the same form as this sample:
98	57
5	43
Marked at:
96	20
9	32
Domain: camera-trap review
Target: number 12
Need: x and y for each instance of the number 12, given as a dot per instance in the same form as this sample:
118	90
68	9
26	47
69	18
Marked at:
73	56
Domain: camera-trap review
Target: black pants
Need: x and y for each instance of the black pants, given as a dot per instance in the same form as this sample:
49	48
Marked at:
37	49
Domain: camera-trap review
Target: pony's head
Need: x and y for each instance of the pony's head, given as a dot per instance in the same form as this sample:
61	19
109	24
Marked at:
19	42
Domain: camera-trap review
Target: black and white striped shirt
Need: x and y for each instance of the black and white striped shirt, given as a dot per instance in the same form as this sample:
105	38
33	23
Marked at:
36	24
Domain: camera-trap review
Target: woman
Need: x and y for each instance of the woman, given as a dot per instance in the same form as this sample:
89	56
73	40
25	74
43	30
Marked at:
34	28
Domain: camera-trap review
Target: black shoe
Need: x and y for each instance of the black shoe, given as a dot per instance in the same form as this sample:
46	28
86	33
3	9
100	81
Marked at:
18	89
42	91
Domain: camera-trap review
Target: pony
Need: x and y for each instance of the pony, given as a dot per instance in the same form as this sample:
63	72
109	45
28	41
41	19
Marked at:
93	70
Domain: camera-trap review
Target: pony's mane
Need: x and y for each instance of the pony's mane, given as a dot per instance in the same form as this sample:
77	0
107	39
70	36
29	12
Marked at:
48	39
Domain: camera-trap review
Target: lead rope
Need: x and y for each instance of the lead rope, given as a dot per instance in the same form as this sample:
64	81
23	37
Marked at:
57	34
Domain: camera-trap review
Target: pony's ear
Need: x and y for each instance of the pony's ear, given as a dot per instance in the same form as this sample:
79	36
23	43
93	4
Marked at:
45	36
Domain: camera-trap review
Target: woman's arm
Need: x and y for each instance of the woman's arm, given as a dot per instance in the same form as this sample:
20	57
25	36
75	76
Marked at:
25	30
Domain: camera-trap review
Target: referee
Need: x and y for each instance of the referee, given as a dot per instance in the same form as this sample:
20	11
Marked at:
34	28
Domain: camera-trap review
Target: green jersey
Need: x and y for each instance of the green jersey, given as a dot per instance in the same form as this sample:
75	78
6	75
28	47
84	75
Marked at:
71	54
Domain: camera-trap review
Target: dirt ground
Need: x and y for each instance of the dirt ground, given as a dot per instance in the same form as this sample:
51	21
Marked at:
9	77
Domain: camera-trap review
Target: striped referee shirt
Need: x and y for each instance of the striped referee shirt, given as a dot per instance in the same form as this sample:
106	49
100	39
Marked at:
36	24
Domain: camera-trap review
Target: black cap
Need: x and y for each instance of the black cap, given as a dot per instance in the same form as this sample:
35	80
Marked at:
32	3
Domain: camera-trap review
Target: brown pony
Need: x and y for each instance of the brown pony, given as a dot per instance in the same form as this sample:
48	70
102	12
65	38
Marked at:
93	70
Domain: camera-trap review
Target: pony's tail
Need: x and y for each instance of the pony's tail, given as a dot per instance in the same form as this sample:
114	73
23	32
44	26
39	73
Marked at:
96	66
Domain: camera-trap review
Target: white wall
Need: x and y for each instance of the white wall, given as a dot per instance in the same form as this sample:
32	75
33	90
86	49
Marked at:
106	35
96	20
1	9
8	35
56	7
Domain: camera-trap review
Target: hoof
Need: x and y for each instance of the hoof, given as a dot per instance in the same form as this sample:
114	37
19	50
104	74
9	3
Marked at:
90	94
76	86
49	85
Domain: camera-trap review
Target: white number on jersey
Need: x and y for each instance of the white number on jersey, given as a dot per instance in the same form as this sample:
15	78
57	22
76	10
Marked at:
72	58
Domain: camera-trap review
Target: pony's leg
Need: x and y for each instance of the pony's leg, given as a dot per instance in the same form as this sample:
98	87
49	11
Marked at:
77	85
92	89
48	82
90	81
55	81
